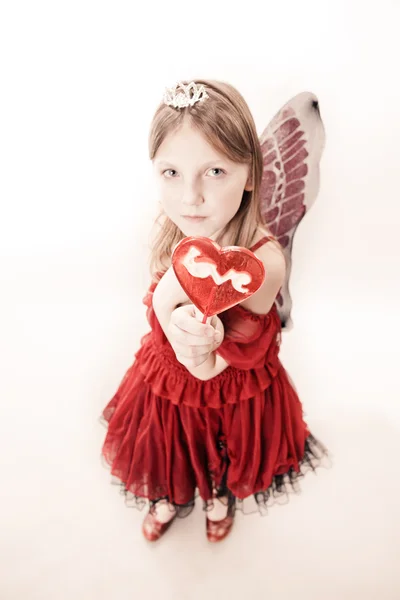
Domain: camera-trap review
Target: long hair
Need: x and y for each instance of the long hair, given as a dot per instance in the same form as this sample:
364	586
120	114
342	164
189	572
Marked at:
225	121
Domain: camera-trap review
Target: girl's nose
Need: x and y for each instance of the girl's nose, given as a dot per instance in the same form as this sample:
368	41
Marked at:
192	196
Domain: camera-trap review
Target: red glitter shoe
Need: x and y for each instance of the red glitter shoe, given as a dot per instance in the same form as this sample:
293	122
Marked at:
218	530
153	529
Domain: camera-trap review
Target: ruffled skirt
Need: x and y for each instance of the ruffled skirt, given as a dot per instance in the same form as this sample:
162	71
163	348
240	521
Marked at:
257	448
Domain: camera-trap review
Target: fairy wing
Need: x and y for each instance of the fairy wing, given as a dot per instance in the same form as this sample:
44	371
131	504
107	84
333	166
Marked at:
292	146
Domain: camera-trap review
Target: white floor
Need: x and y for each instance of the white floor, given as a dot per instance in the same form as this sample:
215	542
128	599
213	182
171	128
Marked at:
67	533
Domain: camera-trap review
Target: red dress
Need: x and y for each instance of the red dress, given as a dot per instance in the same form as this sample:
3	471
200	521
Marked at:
240	434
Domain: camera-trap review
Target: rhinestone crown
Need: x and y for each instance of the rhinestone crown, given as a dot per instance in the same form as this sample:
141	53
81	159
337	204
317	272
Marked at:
189	95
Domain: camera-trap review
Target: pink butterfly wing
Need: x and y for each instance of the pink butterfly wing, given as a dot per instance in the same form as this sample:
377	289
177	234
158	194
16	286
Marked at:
292	146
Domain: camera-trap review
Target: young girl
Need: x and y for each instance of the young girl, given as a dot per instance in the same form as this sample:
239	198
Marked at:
208	406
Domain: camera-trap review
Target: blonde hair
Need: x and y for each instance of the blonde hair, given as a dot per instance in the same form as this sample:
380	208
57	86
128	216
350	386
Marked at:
225	120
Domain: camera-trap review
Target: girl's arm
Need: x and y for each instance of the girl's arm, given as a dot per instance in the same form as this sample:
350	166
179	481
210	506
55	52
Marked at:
168	295
213	366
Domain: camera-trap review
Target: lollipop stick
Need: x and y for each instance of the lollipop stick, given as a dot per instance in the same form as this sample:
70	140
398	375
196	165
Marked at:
210	301
206	318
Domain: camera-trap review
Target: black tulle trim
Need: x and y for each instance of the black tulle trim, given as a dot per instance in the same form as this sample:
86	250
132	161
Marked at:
315	456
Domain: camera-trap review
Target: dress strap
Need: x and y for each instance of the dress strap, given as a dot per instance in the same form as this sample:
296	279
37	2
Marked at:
261	242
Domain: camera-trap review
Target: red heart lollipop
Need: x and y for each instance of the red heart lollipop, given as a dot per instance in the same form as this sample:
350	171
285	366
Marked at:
216	278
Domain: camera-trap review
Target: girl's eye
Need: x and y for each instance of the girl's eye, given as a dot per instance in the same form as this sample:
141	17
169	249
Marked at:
218	169
168	170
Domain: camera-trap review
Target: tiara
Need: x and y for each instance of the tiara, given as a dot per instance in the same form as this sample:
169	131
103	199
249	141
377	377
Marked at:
184	98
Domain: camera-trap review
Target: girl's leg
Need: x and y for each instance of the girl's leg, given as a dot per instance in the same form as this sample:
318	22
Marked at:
219	509
163	511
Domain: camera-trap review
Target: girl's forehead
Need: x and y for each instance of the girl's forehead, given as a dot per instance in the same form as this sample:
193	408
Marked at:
187	149
187	146
185	135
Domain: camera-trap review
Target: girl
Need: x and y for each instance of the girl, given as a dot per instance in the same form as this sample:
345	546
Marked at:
207	406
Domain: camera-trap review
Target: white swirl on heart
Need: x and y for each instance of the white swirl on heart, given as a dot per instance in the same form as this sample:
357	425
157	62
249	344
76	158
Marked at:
206	269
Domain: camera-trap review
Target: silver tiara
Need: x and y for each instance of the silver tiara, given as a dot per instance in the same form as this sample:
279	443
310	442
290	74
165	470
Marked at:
184	98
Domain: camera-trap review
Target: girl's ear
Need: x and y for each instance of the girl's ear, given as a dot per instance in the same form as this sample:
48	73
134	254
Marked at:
249	185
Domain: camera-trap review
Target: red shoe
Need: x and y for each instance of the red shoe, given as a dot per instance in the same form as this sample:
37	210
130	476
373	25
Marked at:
153	529
218	530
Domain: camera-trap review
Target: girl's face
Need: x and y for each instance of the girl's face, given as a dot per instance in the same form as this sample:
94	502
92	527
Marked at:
194	180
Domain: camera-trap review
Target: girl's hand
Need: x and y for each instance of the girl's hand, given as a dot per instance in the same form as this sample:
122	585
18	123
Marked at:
192	340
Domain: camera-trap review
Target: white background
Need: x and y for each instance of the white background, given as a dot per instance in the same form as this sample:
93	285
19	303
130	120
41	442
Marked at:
80	82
